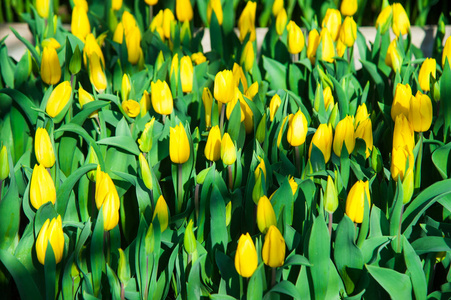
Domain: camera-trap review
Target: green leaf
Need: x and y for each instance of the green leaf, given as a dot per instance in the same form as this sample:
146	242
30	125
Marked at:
7	68
318	254
396	284
374	74
440	158
445	93
97	258
218	233
275	73
284	287
431	244
255	286
296	260
29	46
125	143
88	108
415	268
50	272
24	102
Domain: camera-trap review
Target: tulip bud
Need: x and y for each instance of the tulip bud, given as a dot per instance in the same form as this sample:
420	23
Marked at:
328	97
51	231
393	58
403	133
42	188
407	186
261	130
145	171
119	33
238	75
344	134
51	43
327	46
341	48
207	99
428	68
400	157
265	214
189	240
322	140
400	22
123	271
273	252
131	108
248	115
186	74
355	204
168	18
224	91
116	4
260	168
228	213
92	159
376	160
184	10
125	87
361	114
401	101
59	100
110	211
144	103
96	73
280	134
215	6
348	7
246	22
81	3
42	7
365	131
246	259
330	196
277	7
213	146
297	129
228	150
334	117
80	23
133	43
145	142
43	148
84	98
248	57
383	21
162	213
348	32
420	113
162	101
281	21
185	32
446	54
50	66
198	58
91	46
104	186
274	106
332	21
295	38
4	165
179	149
293	185
313	43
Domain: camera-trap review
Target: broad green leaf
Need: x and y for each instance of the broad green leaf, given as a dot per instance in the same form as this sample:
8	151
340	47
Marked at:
218	221
429	244
275	73
284	287
415	268
440	158
396	284
318	255
125	143
24	102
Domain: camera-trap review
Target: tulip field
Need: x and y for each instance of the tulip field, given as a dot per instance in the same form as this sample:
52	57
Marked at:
136	165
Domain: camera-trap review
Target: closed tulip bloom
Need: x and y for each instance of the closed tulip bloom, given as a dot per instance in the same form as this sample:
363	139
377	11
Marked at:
59	99
144	103
81	3
84	98
297	129
42	188
4	165
157	24
327	46
260	168
399	158
355	204
420	114
246	259
295	38
125	87
281	21
238	75
340	48
110	211
215	6
365	131
133	42
393	58
428	69
186	74
383	21
146	140
129	22
330	196
189	240
91	46
332	21
96	73
118	35
184	10
116	4
51	231
348	32
348	7
50	66
179	149
198	58
274	105
168	18
151	2
50	42
228	150
344	134
273	252
328	97
42	7
361	114
213	146
401	101
162	213
322	140
43	148
131	108
252	91
446	54
80	23
104	186
162	101
277	7
224	91
248	116
207	99
246	22
265	214
145	171
313	43
400	22
403	133
248	57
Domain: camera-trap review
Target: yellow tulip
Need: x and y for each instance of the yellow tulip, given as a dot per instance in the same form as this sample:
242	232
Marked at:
274	105
228	150
168	18
446	55
104	186
144	103
162	213
157	24
266	217
246	259
313	43
43	148
96	73
133	42
273	252
252	91
248	57
207	99
428	69
179	149
4	165
341	48
280	134
80	26
344	134
260	168
110	211
322	140
399	158
348	32
59	99
295	38
248	115
146	140
213	146
91	46
131	108
401	101
277	7
151	2
365	131
383	21
328	98
116	4
198	58
174	73
297	129
327	46
361	114
84	98
184	10
281	21
42	7
246	22
224	91
118	35
330	196
186	74
215	6
238	75
50	66
42	188
145	171
355	204
332	21
393	58
81	3
162	101
125	87
348	7
129	21
403	133
400	22
50	42
293	185
420	114
51	231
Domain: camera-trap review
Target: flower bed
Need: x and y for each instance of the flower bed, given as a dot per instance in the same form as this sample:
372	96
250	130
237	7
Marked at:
154	169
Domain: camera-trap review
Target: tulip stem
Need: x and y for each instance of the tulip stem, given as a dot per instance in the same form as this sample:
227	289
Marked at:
150	14
273	277
164	119
221	123
417	181
399	229
179	189
146	291
297	159
122	291
230	177
330	225
196	200
106	237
